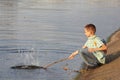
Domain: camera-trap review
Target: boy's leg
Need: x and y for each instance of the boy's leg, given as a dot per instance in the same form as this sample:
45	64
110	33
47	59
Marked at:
88	57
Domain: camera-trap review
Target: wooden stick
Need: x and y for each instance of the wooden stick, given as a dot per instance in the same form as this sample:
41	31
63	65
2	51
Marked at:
61	60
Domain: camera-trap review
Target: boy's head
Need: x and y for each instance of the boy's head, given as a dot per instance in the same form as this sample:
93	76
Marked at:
90	30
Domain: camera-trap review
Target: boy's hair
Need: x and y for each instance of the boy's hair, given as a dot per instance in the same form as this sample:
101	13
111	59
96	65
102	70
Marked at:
91	27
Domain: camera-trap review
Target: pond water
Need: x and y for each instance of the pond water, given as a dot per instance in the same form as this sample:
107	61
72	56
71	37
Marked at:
39	32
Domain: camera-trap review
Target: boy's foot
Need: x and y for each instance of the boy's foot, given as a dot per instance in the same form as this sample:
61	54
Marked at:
83	70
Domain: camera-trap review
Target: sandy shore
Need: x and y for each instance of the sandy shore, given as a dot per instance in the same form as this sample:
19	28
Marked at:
111	70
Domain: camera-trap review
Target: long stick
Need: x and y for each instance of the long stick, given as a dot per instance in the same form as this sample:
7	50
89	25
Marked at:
61	60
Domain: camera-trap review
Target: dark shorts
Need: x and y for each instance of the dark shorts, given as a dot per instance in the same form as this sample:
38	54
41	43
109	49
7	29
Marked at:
88	58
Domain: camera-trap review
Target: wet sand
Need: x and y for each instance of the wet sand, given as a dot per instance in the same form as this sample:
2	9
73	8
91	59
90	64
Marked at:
111	70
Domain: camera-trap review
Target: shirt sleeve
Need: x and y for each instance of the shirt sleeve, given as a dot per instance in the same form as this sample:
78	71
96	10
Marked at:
86	43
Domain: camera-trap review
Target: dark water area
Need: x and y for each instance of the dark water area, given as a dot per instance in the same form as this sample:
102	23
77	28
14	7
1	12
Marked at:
38	32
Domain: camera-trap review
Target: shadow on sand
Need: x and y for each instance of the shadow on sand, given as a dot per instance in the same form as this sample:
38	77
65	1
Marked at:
112	57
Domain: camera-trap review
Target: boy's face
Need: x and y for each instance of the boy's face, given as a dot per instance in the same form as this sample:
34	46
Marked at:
87	32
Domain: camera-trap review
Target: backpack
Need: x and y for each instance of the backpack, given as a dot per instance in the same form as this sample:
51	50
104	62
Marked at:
104	42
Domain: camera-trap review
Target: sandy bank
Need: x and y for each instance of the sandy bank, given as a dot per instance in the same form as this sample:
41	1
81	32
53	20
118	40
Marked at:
111	70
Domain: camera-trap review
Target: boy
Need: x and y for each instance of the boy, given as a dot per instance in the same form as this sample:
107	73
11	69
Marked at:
94	55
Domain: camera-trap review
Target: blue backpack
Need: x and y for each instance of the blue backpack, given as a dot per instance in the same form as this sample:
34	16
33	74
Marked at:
105	51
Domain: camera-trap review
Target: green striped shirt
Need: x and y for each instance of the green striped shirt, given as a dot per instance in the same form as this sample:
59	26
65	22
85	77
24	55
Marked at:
95	42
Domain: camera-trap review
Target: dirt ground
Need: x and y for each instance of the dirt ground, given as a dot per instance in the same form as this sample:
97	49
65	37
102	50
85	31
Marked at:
111	70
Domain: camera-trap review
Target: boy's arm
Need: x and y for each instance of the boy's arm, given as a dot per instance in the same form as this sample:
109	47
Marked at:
102	48
73	54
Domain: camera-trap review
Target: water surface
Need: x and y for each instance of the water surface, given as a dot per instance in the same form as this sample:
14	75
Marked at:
42	31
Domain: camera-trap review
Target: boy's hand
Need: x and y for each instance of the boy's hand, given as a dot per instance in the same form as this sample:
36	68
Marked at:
71	56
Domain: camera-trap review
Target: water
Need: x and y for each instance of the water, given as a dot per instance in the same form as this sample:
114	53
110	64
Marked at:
42	31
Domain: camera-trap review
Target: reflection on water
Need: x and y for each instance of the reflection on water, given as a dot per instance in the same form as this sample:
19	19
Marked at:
44	4
8	16
54	29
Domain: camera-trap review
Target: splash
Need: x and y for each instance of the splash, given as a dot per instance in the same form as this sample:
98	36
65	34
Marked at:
29	57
